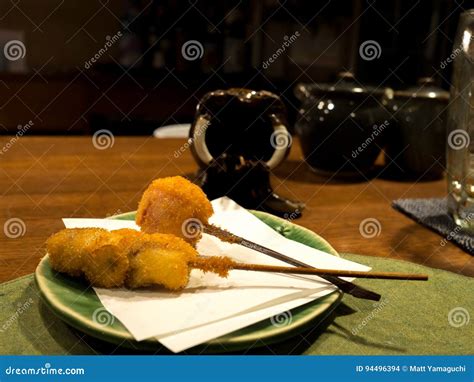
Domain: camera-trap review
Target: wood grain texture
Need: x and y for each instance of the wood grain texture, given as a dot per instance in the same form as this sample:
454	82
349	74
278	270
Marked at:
44	179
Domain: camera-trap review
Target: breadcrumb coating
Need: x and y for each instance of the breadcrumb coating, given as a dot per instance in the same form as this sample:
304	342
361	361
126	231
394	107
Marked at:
220	265
176	206
162	260
106	266
68	247
122	257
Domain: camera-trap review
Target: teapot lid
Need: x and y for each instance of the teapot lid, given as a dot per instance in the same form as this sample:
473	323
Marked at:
346	85
425	88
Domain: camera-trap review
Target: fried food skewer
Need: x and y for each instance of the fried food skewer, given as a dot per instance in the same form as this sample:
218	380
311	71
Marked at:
122	257
222	266
175	205
116	258
344	285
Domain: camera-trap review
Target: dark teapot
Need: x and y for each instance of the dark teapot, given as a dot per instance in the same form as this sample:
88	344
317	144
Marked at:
342	127
243	123
238	136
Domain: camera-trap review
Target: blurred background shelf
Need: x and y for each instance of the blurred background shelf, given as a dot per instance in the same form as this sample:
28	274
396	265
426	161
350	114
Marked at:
143	80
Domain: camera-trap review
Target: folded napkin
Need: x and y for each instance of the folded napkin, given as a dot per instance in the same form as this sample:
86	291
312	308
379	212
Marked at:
212	306
433	214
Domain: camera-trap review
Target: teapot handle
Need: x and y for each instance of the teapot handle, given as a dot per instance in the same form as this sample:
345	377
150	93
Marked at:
197	138
280	140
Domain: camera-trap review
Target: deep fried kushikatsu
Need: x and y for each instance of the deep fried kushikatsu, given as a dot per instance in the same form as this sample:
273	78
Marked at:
68	247
101	256
163	260
106	266
112	259
128	257
174	205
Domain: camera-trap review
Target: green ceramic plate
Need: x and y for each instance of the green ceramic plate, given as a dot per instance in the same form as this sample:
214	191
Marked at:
78	305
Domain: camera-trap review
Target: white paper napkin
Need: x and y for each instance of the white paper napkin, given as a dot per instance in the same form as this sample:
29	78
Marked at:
212	306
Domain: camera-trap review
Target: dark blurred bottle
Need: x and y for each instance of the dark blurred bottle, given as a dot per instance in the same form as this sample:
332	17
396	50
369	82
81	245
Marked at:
131	46
416	143
234	41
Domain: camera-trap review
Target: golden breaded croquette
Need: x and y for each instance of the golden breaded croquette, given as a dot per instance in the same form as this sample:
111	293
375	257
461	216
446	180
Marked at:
106	266
156	266
127	232
129	239
68	247
168	204
88	251
110	259
162	260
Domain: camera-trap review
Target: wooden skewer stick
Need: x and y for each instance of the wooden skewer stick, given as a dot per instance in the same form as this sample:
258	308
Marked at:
343	285
331	272
222	265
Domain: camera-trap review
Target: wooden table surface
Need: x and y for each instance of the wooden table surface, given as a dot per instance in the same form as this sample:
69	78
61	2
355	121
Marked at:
44	179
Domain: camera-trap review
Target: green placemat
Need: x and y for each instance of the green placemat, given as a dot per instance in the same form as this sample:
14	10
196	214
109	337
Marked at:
412	318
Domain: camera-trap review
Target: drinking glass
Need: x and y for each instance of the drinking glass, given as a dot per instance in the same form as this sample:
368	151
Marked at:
460	129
